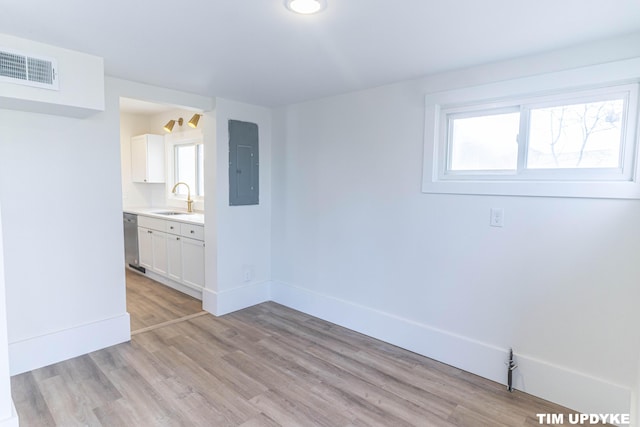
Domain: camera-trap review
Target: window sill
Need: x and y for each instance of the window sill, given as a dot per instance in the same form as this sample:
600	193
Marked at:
598	190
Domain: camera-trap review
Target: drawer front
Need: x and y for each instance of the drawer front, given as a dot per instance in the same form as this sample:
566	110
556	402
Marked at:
192	231
174	227
152	223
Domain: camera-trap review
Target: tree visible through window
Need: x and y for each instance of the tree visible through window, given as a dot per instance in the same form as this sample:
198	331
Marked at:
576	136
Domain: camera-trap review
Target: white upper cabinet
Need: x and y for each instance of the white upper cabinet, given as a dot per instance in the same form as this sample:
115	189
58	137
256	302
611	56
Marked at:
147	159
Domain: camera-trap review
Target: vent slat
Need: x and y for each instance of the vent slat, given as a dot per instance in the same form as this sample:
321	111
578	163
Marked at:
40	71
13	66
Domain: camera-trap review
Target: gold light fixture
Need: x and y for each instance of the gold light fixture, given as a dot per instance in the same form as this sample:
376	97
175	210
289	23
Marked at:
194	120
171	123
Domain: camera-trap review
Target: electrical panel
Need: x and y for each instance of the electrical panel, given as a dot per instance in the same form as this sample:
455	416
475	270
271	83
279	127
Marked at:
244	183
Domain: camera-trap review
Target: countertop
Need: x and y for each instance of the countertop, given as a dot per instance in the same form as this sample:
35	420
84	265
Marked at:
184	216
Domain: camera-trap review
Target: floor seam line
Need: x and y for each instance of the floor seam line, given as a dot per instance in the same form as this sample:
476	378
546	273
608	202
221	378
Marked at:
168	323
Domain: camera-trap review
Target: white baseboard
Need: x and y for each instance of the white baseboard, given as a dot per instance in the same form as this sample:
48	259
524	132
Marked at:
220	303
36	352
570	388
558	384
12	421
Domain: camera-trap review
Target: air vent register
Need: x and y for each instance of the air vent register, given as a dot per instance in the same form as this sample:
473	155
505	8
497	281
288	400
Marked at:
30	70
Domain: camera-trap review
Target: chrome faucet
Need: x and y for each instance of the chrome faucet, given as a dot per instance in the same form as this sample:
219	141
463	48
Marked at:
189	201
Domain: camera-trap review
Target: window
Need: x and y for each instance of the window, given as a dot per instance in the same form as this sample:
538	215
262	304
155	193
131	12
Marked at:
189	168
549	137
582	135
486	142
551	141
185	163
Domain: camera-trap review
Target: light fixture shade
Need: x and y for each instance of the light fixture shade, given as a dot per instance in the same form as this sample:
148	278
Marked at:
169	126
171	123
306	7
194	120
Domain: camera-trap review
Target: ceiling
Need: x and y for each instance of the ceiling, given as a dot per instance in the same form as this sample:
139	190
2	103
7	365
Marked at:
257	51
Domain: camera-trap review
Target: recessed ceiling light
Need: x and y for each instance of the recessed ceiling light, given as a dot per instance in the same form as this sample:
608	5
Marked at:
305	7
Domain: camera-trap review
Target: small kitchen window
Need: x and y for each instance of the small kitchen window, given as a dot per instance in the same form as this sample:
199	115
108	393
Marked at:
185	163
188	167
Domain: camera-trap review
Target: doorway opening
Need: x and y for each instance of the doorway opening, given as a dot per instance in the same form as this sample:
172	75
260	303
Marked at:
165	246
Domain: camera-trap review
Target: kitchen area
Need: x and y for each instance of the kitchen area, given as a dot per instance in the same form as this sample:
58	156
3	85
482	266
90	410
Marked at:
162	153
171	251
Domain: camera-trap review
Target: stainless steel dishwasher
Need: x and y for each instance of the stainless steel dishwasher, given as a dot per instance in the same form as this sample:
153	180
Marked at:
131	241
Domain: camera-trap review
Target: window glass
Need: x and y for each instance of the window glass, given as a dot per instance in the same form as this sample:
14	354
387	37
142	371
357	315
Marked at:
488	142
189	168
586	135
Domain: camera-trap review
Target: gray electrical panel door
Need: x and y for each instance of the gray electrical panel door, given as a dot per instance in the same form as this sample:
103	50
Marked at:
243	163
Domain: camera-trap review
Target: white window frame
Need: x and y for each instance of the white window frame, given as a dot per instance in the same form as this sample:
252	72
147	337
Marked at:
194	137
572	86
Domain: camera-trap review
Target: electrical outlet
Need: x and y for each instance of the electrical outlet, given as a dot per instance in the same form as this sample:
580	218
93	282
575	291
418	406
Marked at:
246	274
497	217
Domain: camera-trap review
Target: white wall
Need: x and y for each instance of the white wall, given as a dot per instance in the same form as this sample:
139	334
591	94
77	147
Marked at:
60	188
8	416
61	195
357	243
243	232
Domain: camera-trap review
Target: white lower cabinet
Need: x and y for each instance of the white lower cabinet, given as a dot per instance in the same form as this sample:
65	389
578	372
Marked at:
174	254
173	250
152	247
145	248
193	262
160	256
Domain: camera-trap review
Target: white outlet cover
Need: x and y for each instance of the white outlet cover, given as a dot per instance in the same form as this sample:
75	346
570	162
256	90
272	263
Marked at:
497	217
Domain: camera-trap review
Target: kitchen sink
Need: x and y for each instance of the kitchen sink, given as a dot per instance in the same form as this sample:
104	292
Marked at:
170	213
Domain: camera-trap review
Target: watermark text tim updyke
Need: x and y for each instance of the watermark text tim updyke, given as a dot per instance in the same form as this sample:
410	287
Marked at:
583	419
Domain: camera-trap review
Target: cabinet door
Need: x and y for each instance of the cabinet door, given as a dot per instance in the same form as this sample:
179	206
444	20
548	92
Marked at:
160	260
139	159
174	255
145	247
147	159
193	262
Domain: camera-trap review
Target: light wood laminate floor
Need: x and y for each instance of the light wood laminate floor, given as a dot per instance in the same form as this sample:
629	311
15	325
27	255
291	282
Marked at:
150	303
266	365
